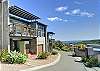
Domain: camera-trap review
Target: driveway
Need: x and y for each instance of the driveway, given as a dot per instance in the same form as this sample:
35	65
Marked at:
66	63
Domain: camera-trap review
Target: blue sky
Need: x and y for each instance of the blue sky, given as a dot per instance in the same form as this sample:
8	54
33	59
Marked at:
69	19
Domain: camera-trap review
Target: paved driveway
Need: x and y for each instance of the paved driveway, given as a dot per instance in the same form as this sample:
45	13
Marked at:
66	63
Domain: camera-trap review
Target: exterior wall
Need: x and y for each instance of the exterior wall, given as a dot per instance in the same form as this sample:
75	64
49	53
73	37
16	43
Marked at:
33	47
25	46
40	40
0	26
98	57
21	46
4	35
90	51
46	39
79	53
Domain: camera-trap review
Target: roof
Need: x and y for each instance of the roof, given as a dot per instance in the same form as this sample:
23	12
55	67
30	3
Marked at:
96	49
50	32
17	11
93	45
39	23
21	20
27	22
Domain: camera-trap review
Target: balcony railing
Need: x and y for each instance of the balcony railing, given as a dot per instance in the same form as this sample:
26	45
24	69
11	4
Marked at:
28	32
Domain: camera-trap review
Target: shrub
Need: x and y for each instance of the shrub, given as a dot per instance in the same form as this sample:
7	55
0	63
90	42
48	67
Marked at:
4	56
13	57
54	53
57	48
84	59
91	61
47	53
21	58
67	49
42	55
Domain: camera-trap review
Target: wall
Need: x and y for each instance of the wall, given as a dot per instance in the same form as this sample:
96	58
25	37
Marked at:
33	45
0	26
41	40
21	46
4	34
79	52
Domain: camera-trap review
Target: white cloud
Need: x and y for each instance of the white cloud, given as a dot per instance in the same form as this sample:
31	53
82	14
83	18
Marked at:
76	11
77	2
62	8
65	20
67	13
56	19
87	14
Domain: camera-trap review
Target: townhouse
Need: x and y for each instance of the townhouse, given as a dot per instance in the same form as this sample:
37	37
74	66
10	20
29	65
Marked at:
21	31
26	33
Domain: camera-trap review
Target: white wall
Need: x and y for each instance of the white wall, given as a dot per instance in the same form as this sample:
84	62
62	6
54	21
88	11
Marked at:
41	40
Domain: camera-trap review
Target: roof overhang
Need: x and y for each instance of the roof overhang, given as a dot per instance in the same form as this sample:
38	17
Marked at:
50	33
17	11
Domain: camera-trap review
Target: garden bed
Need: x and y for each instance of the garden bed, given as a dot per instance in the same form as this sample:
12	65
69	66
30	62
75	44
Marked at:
29	63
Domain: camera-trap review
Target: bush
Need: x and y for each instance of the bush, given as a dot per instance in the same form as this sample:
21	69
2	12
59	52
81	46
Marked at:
21	58
84	59
91	61
67	49
57	48
13	57
47	53
54	53
42	55
4	56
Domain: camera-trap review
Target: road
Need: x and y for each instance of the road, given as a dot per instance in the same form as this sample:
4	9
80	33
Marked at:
66	63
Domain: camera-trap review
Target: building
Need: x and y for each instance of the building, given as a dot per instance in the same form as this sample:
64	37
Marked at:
4	35
50	41
21	31
93	49
27	34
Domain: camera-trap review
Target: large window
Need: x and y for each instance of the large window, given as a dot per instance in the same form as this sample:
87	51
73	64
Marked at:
40	30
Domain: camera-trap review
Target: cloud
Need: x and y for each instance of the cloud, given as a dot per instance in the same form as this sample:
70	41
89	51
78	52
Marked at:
65	20
78	12
77	2
67	13
87	14
56	19
62	8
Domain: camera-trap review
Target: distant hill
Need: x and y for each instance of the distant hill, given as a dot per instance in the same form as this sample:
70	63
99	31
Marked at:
73	42
95	41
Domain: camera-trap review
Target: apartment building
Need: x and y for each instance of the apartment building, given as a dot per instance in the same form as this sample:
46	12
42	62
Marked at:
21	31
27	34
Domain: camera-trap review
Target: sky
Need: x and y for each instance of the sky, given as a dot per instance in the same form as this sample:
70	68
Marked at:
68	19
